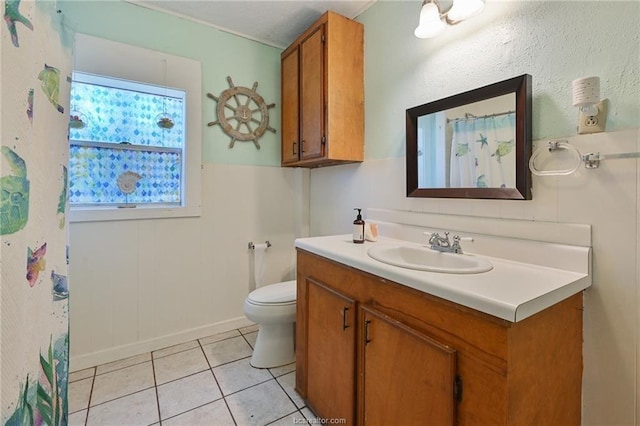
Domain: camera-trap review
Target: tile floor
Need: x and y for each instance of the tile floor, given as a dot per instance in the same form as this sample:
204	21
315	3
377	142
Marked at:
203	382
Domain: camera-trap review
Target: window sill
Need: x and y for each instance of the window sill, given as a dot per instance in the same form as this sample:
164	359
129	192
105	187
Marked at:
102	214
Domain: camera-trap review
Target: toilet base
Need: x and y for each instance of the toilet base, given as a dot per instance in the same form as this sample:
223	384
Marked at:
274	346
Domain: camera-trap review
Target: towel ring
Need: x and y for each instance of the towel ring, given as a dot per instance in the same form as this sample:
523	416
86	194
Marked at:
555	146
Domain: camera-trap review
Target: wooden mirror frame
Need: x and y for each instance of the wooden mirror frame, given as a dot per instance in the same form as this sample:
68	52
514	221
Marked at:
521	86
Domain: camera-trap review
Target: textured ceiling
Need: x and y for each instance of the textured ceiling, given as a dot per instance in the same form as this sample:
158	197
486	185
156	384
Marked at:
276	23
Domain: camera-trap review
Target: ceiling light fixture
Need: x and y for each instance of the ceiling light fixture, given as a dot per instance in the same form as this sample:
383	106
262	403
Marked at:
434	18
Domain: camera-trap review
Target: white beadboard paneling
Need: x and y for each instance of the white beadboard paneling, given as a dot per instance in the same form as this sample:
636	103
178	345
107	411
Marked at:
484	208
335	192
515	209
148	278
544	189
387	182
112	262
80	304
455	207
607	198
157	281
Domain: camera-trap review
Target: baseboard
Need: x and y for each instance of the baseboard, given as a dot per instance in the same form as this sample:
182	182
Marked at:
120	352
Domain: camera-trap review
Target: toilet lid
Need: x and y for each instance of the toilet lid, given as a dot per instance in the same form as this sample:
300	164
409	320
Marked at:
274	293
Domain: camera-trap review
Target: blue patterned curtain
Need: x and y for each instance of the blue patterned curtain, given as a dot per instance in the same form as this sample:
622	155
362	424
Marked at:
483	152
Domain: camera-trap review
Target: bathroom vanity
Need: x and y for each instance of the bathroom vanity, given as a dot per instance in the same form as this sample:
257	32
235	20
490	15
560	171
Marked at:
380	345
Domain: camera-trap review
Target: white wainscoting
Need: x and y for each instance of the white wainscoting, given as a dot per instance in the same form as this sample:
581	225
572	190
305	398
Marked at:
141	285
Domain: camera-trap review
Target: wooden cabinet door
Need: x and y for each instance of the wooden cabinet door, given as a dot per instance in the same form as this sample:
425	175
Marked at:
312	86
331	328
290	108
407	378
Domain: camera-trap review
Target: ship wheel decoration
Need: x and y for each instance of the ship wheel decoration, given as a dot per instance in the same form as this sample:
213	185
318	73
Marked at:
249	117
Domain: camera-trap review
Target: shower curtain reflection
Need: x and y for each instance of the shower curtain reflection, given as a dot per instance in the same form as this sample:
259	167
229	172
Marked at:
482	151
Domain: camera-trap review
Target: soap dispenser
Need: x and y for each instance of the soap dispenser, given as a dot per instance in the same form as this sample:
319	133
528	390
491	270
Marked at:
358	229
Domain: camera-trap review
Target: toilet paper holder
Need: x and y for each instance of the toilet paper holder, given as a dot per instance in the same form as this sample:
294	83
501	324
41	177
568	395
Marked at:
252	246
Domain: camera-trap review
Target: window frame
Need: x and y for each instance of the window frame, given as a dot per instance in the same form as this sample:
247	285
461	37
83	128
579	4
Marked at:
101	57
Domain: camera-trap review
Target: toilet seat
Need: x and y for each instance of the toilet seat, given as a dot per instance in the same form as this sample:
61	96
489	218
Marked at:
274	294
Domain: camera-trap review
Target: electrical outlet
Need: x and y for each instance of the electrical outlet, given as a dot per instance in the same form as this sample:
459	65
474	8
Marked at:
593	123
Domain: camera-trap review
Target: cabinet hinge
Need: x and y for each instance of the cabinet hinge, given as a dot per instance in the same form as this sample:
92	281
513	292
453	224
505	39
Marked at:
457	389
323	140
322	39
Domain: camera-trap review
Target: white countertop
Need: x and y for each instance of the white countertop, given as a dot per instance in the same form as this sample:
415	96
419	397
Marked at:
511	290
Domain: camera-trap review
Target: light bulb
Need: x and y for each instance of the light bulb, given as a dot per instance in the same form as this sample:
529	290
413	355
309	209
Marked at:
464	9
430	23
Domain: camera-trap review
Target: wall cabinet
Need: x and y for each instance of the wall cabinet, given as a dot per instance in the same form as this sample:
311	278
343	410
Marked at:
323	94
374	352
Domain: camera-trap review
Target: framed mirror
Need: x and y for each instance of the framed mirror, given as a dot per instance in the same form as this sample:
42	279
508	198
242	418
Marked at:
475	144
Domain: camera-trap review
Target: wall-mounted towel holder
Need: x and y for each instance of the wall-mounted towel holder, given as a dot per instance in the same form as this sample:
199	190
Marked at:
253	246
591	160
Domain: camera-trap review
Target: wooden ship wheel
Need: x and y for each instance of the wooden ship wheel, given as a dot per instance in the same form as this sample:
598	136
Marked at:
249	117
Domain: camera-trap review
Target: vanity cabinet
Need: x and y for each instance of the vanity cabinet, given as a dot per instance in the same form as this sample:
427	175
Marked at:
323	94
331	340
392	389
374	352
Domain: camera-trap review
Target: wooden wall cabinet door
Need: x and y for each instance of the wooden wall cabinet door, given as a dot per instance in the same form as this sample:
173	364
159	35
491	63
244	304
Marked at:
290	108
330	342
407	378
312	91
323	94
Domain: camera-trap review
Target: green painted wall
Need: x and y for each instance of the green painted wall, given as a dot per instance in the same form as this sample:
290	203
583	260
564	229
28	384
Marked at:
221	54
554	41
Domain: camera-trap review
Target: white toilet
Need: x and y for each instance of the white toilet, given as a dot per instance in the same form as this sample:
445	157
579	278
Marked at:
273	307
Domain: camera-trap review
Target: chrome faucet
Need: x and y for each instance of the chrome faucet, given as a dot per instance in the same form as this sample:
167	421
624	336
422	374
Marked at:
443	244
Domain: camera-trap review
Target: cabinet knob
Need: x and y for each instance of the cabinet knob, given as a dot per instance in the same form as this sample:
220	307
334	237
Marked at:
302	145
294	153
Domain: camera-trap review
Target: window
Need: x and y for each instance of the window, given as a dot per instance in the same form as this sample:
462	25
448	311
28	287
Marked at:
119	127
120	93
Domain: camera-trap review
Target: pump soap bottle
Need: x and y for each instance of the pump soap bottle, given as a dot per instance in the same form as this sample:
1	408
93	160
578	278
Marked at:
358	229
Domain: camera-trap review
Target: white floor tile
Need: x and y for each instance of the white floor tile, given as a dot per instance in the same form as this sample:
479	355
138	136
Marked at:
122	382
137	409
82	374
179	365
175	349
282	370
251	338
185	394
292	419
260	405
249	329
227	351
219	336
310	415
79	418
215	413
127	362
239	375
79	394
288	382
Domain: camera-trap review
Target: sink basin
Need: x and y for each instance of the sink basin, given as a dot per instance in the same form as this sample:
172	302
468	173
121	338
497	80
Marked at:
426	259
